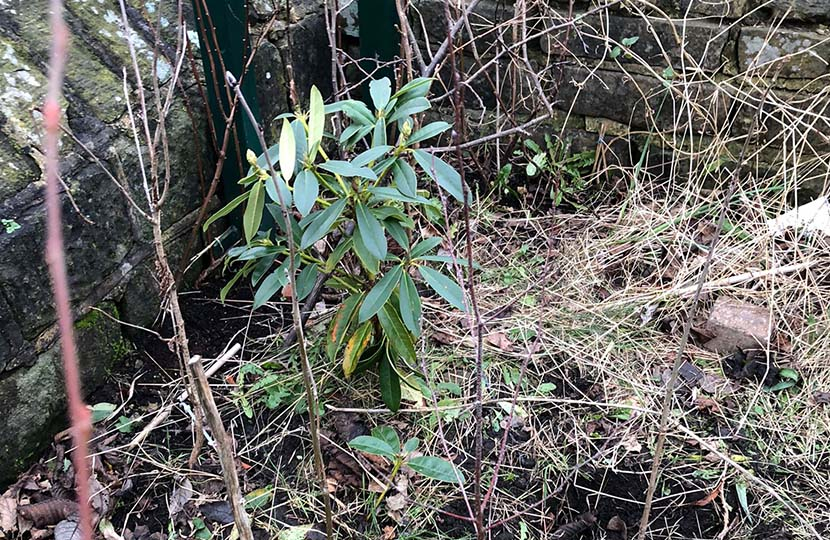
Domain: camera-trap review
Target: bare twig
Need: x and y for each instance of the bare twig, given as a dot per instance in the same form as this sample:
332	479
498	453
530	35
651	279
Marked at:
224	447
56	260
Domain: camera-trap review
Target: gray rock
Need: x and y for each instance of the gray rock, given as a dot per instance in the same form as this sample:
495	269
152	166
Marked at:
784	52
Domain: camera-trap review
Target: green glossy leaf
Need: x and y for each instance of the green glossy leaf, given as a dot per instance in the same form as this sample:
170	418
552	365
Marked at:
379	133
223	293
370	231
369	261
415	88
356	346
344	168
385	193
411	445
373	445
410	304
400	340
305	281
381	91
436	468
390	384
444	286
225	210
276	188
262	266
275	281
405	179
288	151
380	293
279	219
371	155
306	189
357	111
321	226
428	131
337	254
440	171
316	121
425	246
300	140
340	324
101	411
408	108
253	211
396	231
388	435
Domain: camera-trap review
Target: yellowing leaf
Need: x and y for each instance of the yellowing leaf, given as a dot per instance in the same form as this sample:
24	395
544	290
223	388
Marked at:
356	346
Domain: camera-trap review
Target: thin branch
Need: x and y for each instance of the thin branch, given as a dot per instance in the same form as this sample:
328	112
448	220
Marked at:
56	260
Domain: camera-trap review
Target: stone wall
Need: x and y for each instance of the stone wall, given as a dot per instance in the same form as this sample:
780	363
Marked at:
709	51
109	254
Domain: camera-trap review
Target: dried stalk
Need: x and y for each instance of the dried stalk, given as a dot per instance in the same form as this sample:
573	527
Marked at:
687	329
224	447
56	260
308	375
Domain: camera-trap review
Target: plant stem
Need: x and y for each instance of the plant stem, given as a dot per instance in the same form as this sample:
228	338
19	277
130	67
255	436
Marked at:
308	375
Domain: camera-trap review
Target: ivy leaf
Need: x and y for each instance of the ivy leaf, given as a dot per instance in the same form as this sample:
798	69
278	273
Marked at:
405	179
390	383
340	324
321	226
440	171
344	168
437	469
253	211
444	286
288	150
306	189
316	121
379	294
370	231
381	91
388	435
373	445
410	304
427	132
356	346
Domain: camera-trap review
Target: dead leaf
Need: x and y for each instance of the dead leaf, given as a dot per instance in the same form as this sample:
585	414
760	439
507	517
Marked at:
8	511
821	398
710	497
67	530
707	404
500	341
631	444
108	530
396	503
99	497
443	337
182	493
388	533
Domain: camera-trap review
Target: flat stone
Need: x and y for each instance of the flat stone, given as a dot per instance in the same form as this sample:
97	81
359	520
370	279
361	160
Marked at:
804	10
785	52
737	325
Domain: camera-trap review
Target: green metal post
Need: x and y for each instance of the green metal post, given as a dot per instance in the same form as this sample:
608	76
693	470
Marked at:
379	37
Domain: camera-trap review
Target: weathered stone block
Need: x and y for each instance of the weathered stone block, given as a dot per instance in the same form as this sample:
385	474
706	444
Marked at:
737	325
803	10
784	52
715	8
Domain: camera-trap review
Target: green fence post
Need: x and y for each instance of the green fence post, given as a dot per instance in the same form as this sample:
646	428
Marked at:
379	37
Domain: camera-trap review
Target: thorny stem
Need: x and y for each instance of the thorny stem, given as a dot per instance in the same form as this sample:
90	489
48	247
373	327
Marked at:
687	328
55	258
458	135
308	375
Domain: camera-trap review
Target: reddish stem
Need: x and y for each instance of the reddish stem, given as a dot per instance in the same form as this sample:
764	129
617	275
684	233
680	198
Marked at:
78	413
